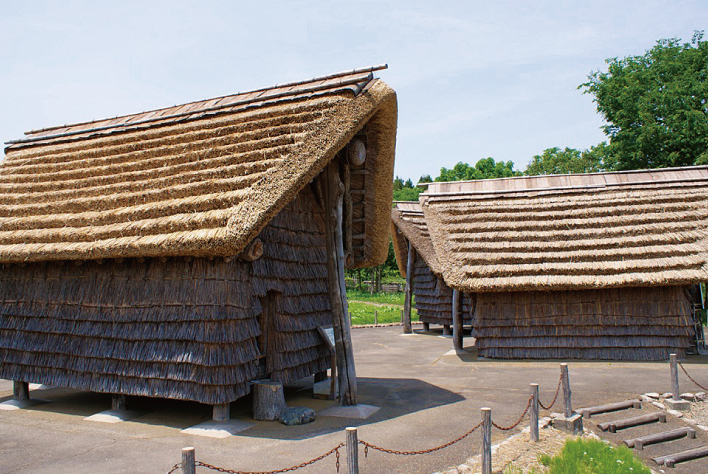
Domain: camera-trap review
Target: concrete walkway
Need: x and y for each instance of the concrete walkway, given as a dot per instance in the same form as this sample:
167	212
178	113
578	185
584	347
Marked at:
428	395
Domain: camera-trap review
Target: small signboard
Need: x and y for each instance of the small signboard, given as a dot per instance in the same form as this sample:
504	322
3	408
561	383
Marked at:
327	333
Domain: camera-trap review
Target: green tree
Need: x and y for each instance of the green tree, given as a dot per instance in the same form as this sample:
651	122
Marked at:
484	169
557	161
655	105
405	190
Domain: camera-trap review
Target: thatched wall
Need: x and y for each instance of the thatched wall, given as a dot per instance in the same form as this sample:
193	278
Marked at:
182	328
294	265
624	324
433	298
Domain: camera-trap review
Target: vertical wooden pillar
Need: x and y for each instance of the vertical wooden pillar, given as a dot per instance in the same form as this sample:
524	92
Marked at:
566	390
332	193
446	330
20	390
533	413
486	441
457	342
221	412
189	465
117	402
352	443
674	377
408	302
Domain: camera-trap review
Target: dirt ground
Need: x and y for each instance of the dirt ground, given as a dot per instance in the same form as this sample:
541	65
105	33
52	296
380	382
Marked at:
427	394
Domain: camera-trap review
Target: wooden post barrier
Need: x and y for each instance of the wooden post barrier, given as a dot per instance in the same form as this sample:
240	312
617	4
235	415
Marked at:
566	390
457	341
376	317
674	377
189	465
533	414
20	390
486	440
352	451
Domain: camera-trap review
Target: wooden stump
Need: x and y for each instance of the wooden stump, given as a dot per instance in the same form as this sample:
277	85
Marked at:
268	400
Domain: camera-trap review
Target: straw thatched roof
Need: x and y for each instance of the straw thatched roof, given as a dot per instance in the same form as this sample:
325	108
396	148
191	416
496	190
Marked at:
200	179
408	223
602	230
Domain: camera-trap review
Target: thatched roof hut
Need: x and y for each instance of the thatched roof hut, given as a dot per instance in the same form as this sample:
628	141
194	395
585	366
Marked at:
590	266
433	298
180	252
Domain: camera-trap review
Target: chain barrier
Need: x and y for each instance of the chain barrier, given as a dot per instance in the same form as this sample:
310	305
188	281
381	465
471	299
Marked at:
414	453
521	418
689	377
334	450
555	397
174	468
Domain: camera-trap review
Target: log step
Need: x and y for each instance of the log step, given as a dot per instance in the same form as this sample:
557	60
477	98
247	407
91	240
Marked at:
671	459
613	426
639	443
588	412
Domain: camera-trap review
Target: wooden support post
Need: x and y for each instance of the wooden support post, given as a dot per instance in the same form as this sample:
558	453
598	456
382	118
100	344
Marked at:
376	317
221	411
20	390
189	465
486	441
352	451
457	336
348	215
332	192
674	377
117	402
446	330
408	301
566	390
533	413
268	400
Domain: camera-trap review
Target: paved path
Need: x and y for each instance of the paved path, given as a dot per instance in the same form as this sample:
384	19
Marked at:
427	397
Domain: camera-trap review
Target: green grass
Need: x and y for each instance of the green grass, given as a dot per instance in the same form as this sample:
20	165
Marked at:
593	457
363	313
384	298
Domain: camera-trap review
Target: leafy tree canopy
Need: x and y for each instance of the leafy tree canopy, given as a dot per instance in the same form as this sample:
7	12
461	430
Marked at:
557	161
484	169
655	105
405	190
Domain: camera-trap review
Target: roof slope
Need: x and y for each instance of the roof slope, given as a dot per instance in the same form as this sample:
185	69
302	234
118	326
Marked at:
601	230
409	223
201	179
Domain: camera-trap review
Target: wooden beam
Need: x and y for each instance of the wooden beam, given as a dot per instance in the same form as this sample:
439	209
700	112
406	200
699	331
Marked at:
253	251
348	214
408	302
333	193
457	342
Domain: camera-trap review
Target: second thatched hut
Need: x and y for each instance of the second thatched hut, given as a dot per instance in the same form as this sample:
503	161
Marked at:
592	266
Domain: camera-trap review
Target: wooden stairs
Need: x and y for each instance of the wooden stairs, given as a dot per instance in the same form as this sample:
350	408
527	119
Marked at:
662	440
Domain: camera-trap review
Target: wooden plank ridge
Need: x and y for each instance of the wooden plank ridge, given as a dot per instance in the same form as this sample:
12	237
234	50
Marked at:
613	426
610	407
639	443
671	459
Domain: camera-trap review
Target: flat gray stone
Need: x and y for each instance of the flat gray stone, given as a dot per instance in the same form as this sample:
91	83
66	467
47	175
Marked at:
653	395
114	416
572	425
688	396
21	404
360	411
680	405
218	429
293	416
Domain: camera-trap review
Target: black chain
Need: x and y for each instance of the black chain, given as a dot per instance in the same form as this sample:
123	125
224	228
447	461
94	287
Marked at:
689	377
334	450
521	418
555	397
414	453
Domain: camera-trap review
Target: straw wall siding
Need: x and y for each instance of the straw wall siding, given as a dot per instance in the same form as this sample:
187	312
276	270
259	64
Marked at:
625	324
433	298
175	328
294	264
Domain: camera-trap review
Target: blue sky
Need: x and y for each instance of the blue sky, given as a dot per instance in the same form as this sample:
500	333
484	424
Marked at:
474	78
